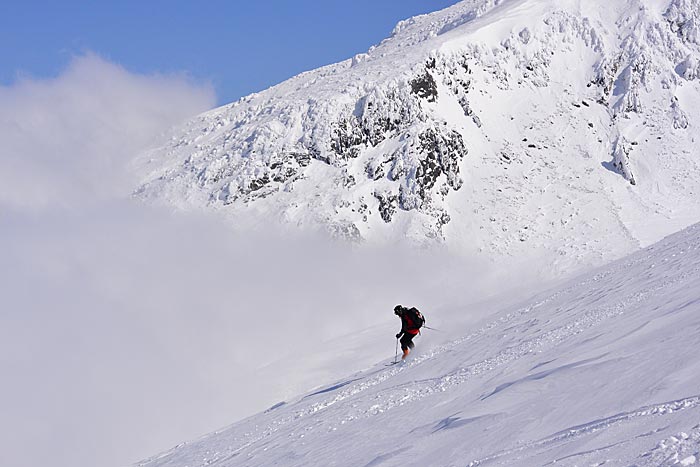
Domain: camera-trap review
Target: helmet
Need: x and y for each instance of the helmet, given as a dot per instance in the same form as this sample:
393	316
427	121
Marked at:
398	309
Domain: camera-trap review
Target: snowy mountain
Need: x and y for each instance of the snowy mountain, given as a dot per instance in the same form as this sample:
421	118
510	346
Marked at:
602	370
517	128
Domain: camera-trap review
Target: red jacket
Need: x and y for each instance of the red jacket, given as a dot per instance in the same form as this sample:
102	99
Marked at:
408	326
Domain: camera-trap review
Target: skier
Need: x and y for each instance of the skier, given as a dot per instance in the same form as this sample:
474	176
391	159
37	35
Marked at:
411	322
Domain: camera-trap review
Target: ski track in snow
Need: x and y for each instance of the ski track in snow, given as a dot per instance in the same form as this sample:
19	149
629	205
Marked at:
621	290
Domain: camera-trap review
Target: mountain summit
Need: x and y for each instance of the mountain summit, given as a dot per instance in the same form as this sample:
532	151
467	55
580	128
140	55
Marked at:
510	127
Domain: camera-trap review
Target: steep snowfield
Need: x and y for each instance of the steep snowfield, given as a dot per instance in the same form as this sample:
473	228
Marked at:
557	129
603	370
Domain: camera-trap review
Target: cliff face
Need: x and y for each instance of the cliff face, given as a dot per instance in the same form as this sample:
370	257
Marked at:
508	127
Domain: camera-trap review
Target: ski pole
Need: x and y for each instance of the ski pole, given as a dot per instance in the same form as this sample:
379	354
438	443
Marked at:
396	355
432	329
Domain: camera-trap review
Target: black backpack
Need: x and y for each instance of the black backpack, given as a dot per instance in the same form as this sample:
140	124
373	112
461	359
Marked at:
417	317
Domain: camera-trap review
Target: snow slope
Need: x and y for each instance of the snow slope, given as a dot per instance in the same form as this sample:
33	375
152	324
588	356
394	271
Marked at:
602	370
557	129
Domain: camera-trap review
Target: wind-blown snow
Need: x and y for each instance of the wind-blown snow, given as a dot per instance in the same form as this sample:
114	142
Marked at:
515	128
601	370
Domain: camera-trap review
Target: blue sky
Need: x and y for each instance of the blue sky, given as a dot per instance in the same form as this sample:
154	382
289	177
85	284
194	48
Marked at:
238	46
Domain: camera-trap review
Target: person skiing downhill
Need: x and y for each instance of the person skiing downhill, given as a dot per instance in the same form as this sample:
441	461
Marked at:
411	322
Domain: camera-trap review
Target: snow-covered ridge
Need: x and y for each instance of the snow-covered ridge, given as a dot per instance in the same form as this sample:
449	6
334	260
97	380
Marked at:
602	370
492	125
423	27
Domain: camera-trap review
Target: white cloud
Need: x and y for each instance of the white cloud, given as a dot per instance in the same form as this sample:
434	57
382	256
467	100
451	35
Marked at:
68	139
72	246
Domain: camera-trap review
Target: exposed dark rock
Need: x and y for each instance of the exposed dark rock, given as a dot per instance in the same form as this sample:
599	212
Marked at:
444	219
425	87
284	174
258	183
388	202
606	78
348	181
375	171
376	117
347	136
362	207
428	171
443	151
439	154
303	159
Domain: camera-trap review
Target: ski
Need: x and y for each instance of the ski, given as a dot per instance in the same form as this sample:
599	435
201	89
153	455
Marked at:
394	363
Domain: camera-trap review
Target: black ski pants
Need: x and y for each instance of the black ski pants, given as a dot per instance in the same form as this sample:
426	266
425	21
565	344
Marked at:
407	341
